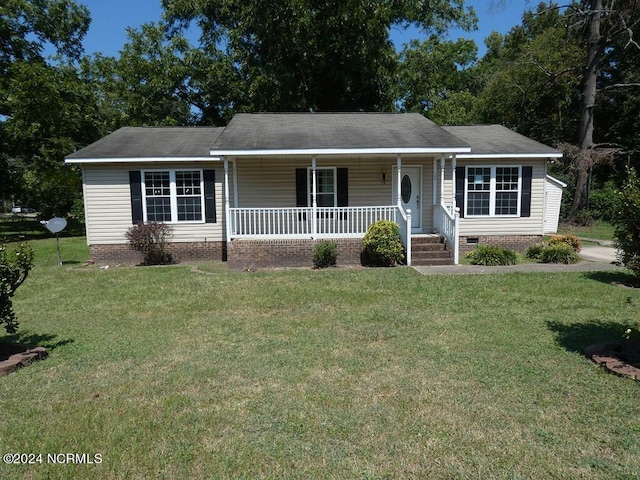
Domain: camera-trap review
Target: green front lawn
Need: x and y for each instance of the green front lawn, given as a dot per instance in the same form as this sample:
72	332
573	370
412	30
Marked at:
598	231
338	373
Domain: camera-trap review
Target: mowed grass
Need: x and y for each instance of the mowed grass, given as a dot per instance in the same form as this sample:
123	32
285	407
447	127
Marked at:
338	373
600	230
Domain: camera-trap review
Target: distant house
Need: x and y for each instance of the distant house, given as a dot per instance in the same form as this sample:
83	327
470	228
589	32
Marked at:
261	191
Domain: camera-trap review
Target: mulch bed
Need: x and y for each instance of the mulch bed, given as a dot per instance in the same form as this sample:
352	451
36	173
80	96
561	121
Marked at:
16	355
622	358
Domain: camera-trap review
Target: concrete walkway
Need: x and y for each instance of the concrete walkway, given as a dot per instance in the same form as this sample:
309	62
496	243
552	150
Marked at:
594	258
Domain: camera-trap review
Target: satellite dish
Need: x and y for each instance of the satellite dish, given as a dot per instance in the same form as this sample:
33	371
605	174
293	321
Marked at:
56	224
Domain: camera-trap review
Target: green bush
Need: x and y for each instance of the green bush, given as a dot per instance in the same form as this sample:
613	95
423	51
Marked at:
627	222
14	269
571	240
151	239
559	253
325	254
490	255
535	251
382	245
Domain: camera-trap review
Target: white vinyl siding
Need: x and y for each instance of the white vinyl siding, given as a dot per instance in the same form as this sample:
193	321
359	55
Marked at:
504	225
108	205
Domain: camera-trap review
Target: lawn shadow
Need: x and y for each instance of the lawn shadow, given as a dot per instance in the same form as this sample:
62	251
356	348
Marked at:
45	340
575	337
618	278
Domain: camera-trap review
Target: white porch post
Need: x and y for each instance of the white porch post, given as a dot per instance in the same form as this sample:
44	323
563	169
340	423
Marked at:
442	162
314	202
453	183
399	180
434	180
227	215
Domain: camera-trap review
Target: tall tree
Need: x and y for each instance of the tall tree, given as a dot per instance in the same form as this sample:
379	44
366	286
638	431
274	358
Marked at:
32	85
313	54
607	23
434	80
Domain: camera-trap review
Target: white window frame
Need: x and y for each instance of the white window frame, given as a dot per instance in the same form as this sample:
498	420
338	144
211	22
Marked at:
310	185
173	194
492	191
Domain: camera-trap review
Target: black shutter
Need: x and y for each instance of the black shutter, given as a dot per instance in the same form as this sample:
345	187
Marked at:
209	177
301	187
135	184
460	181
525	206
342	182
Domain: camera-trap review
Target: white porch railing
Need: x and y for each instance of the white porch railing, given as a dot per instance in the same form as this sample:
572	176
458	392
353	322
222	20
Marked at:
334	222
404	221
446	224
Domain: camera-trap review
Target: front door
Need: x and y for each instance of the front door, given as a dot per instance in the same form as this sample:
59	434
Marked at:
410	193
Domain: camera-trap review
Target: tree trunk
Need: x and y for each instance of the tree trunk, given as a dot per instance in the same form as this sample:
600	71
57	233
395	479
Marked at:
595	49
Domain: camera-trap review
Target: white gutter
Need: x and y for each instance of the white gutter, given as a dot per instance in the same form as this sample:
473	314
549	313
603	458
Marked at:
139	159
337	151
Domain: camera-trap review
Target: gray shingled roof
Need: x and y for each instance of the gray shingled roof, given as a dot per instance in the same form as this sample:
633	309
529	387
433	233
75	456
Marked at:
497	139
151	142
326	131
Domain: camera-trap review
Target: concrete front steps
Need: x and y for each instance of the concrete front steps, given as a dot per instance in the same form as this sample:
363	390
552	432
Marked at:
430	250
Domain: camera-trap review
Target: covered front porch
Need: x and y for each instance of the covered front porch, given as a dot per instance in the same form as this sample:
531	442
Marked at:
380	189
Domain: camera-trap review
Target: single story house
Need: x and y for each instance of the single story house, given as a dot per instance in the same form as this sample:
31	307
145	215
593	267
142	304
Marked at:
264	189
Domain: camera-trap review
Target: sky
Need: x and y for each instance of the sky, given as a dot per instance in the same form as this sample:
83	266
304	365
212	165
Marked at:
107	33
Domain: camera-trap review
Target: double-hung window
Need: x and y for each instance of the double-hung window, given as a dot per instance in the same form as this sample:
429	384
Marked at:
493	191
325	187
173	196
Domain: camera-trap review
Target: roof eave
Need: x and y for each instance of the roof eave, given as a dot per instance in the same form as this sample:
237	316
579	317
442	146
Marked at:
137	160
508	155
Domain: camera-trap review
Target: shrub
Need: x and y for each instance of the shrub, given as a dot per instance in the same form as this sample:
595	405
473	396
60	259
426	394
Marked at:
559	253
534	251
325	254
151	239
571	240
627	222
382	245
490	255
14	269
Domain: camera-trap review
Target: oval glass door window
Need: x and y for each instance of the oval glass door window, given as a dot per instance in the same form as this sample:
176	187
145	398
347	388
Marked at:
405	189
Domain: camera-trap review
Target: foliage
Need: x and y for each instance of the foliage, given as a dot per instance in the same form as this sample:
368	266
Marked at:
152	240
325	254
382	245
535	251
559	253
490	255
433	71
323	56
627	222
46	110
15	266
574	242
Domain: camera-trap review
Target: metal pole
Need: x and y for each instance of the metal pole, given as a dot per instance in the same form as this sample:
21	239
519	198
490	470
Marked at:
58	248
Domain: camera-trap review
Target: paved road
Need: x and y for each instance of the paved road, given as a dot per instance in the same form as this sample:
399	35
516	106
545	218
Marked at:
594	258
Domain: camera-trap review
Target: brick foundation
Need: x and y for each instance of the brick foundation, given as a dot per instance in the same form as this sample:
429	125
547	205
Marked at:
181	252
519	243
254	254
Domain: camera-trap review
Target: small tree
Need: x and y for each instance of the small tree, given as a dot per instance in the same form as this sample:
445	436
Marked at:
151	239
14	269
627	222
